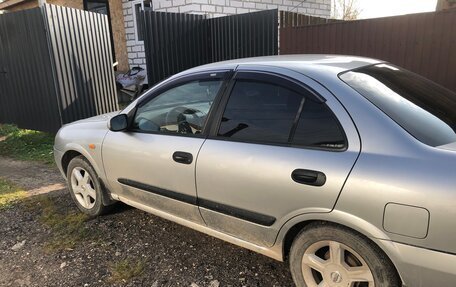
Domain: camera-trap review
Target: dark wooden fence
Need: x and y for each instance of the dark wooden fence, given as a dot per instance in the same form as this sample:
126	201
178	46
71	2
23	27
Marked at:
175	42
55	67
423	43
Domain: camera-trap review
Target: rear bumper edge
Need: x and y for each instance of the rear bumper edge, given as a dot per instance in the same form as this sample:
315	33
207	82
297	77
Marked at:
420	267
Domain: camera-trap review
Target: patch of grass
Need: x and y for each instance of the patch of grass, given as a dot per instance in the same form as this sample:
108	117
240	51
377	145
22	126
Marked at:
26	144
126	269
7	129
67	229
10	193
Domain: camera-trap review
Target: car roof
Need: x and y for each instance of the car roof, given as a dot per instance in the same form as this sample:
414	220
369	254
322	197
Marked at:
309	64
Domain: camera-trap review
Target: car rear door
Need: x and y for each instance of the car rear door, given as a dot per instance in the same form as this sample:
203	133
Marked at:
152	164
276	150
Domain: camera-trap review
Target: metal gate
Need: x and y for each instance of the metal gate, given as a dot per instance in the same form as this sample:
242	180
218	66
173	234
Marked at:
28	96
175	42
244	35
55	67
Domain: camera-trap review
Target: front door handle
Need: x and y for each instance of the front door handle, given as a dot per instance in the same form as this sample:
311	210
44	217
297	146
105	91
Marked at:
309	177
183	157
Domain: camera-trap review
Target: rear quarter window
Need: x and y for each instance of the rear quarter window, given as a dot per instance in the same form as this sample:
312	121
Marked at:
424	109
318	127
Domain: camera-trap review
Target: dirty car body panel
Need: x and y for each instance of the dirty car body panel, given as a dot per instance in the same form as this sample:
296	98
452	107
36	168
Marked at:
206	171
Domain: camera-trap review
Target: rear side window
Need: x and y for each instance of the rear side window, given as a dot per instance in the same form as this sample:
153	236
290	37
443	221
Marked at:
424	109
318	127
269	113
259	111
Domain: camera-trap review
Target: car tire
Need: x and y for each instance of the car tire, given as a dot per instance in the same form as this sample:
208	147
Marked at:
340	257
85	187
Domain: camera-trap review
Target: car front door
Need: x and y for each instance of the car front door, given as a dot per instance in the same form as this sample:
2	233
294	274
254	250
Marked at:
277	150
153	163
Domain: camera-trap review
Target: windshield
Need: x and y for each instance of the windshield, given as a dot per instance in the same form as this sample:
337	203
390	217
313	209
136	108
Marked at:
424	109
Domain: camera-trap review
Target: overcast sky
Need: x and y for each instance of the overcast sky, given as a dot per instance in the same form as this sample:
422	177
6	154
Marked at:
382	8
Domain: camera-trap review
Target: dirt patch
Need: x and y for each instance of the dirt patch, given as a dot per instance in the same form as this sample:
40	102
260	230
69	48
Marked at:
32	176
125	248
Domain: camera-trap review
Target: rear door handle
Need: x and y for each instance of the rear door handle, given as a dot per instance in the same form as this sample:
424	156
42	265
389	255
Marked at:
309	177
183	157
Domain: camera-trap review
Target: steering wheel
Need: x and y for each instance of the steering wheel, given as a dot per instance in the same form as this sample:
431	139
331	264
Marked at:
180	115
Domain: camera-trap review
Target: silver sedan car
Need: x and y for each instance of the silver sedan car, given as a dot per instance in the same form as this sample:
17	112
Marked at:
343	166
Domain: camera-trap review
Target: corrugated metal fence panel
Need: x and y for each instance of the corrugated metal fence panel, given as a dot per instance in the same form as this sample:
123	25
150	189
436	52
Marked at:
293	19
423	43
81	51
175	42
244	35
27	91
51	78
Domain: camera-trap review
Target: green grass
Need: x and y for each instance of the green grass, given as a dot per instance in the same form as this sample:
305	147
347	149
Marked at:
10	194
126	269
68	229
26	144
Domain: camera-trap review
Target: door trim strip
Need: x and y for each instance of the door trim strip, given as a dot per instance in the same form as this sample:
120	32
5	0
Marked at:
160	191
243	214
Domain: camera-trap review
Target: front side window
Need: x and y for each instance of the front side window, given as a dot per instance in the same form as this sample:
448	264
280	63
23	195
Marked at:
182	109
421	107
269	113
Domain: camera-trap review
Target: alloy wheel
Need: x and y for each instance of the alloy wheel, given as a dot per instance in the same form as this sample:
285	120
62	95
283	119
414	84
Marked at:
333	264
83	187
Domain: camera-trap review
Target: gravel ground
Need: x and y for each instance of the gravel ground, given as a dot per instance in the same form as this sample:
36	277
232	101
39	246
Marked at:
169	254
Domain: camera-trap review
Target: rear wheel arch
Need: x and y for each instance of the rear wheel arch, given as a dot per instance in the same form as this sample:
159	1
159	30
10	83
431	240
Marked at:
294	231
292	226
369	254
291	234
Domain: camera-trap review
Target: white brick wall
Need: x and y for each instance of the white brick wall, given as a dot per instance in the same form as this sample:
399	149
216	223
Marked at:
214	8
135	49
217	8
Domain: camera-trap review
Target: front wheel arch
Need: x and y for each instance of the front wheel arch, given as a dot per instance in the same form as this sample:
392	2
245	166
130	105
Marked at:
71	154
67	157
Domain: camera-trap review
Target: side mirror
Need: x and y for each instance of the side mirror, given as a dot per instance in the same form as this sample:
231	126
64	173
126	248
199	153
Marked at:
118	123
